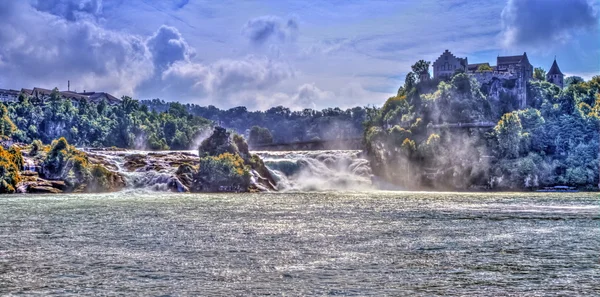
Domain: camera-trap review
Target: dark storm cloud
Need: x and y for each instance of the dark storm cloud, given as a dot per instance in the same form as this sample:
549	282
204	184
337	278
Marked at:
265	28
543	22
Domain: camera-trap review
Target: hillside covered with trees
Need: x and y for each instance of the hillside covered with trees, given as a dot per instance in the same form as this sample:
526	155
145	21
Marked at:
126	125
284	124
421	138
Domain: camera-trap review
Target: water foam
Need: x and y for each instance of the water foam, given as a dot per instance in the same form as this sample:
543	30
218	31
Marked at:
318	170
292	170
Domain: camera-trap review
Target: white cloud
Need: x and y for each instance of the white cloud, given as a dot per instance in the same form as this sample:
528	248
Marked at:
48	50
226	76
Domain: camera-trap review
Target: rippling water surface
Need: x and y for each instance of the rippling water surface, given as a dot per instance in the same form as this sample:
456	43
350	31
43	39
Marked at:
294	244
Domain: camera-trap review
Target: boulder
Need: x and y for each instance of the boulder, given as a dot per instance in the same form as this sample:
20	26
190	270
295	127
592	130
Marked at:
37	189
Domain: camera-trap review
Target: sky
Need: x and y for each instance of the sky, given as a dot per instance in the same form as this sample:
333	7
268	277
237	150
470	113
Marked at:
260	54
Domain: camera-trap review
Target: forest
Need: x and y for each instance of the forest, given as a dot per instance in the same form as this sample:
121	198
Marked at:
284	124
126	125
159	125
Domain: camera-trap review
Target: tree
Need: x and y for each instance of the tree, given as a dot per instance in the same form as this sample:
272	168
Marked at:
55	95
7	127
260	135
539	73
508	133
484	67
420	67
573	80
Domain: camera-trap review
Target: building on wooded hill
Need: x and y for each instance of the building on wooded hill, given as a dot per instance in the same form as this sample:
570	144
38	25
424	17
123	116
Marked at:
515	68
8	95
41	95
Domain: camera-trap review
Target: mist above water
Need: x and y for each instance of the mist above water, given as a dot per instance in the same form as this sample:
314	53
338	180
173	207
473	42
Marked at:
319	170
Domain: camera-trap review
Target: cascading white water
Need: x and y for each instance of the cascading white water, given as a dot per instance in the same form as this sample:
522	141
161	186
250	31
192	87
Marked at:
155	175
293	170
318	170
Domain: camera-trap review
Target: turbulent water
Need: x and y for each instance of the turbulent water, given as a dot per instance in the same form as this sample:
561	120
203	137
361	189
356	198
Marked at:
297	244
319	170
294	171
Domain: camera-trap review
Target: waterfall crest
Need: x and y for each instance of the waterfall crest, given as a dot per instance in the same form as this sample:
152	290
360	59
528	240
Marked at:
319	170
293	170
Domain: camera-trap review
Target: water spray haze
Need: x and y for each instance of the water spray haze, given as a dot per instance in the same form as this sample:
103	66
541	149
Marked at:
319	170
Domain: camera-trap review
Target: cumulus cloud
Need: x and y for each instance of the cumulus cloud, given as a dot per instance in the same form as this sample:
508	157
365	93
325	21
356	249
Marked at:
228	76
46	48
543	22
168	46
49	50
270	28
309	95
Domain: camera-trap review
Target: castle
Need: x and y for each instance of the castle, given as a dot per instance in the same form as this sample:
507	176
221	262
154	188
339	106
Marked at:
515	68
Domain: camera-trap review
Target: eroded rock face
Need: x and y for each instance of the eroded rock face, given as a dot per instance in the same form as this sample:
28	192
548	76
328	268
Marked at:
62	168
229	152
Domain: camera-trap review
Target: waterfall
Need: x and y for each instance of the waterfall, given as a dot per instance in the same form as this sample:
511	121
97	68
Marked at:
156	172
318	170
293	170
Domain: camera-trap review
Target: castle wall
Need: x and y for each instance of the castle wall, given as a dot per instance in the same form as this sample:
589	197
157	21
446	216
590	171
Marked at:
484	77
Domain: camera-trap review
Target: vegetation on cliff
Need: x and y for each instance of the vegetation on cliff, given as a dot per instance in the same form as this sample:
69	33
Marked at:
225	165
11	161
435	134
126	125
63	162
7	127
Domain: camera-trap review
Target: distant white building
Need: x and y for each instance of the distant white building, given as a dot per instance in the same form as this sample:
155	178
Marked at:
9	95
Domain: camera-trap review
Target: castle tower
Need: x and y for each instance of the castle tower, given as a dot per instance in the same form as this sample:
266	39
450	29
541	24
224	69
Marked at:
555	76
447	64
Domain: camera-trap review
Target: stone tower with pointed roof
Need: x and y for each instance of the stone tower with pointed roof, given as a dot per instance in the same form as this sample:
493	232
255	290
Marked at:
555	76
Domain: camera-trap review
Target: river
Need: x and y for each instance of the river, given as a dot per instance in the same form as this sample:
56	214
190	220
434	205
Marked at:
349	243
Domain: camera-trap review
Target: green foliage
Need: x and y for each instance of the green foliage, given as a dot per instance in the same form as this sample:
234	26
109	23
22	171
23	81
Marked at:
284	124
7	127
63	160
126	125
225	172
573	80
509	132
36	147
259	135
539	73
484	67
10	169
218	143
